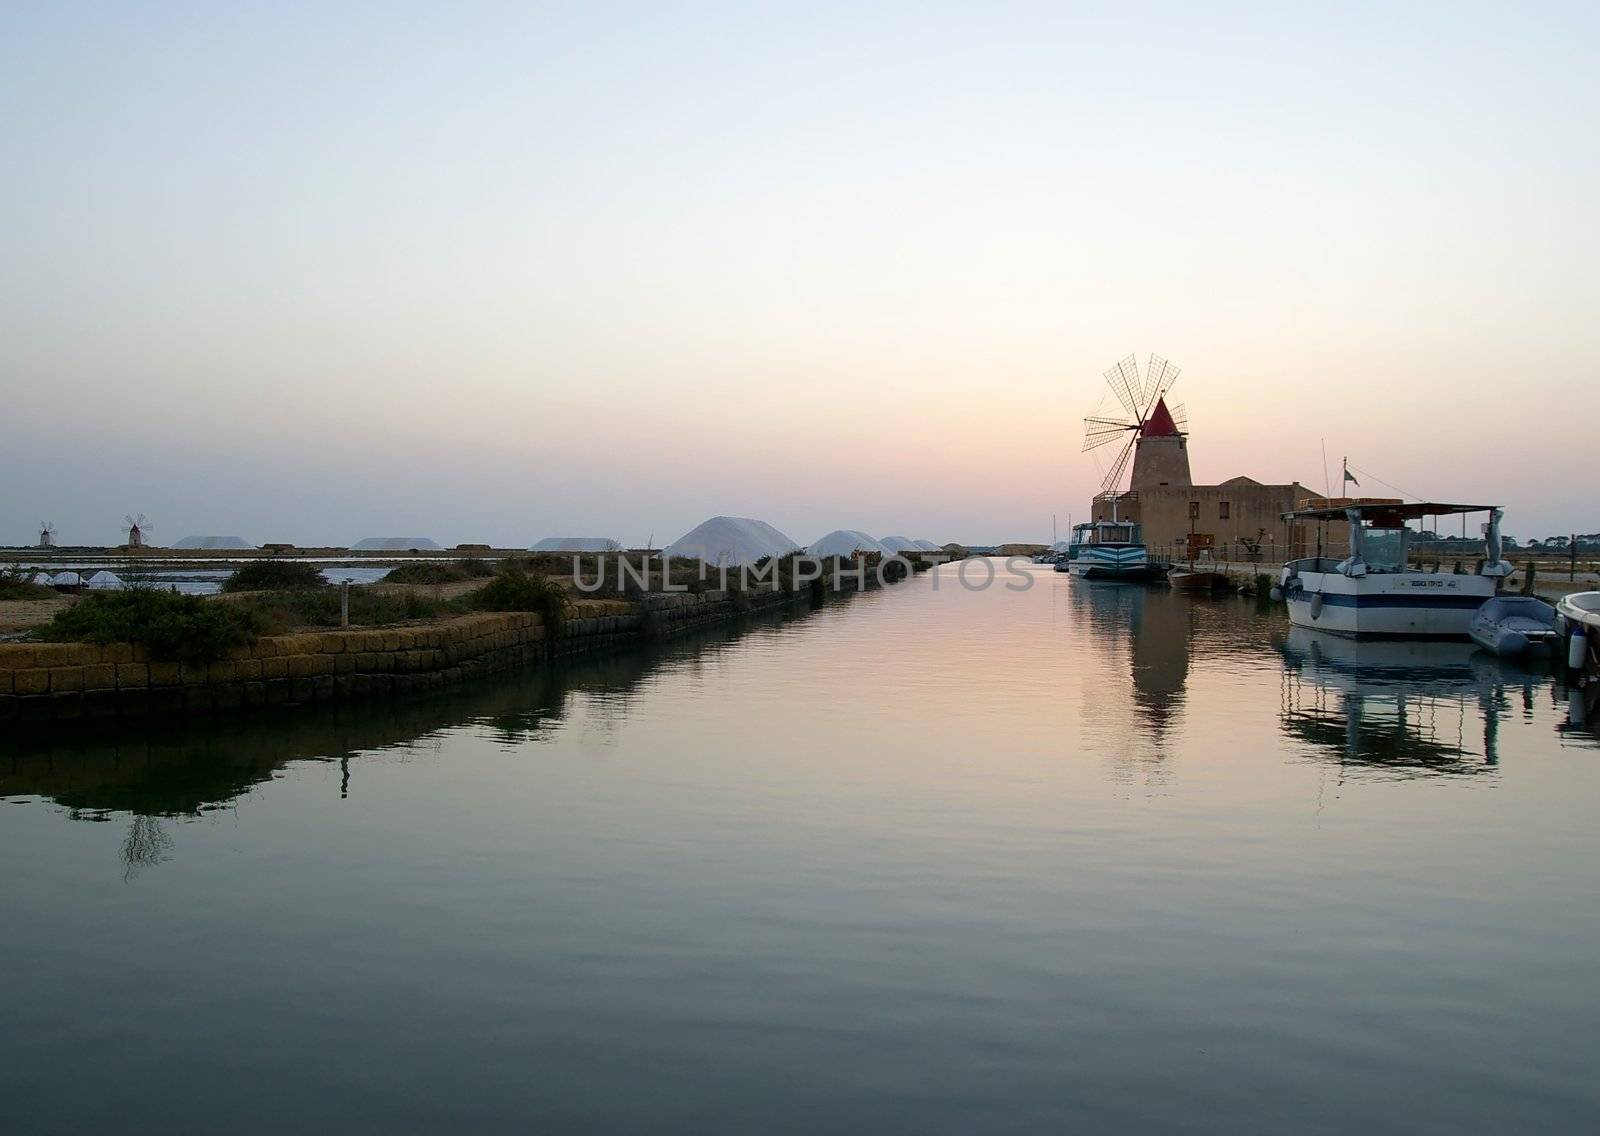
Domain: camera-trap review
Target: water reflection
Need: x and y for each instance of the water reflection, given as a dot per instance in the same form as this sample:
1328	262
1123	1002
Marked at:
161	770
1406	707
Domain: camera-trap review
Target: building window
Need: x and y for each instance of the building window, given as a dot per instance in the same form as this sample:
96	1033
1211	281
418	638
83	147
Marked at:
1194	510
1222	510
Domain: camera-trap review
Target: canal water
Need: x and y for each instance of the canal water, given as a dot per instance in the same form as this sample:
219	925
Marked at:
929	860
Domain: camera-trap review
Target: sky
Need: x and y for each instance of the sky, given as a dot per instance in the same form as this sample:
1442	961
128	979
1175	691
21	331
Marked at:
318	272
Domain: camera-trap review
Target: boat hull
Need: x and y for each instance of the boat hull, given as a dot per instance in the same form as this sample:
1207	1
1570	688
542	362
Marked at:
1186	580
1431	605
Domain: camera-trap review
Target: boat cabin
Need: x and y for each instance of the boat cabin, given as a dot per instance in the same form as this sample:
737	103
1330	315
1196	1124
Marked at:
1112	533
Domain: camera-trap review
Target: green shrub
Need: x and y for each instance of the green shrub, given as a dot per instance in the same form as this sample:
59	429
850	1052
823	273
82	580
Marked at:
515	589
172	627
275	575
282	611
17	584
438	572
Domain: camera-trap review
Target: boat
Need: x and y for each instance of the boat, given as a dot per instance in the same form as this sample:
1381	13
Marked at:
1581	609
1510	626
1374	590
1193	579
1109	550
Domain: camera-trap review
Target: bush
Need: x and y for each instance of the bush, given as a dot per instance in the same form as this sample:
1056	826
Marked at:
515	589
172	627
275	575
17	584
439	572
281	611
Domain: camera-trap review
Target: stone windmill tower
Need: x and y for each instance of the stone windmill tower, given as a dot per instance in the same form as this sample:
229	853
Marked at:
138	526
1154	438
47	534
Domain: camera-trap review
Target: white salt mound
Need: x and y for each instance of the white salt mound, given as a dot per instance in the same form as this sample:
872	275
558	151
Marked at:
927	546
213	542
732	540
577	544
66	579
843	542
106	582
899	544
393	544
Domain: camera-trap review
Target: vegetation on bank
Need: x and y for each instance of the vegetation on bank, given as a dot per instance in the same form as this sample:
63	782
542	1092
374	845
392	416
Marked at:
184	628
17	584
171	626
440	572
514	588
276	576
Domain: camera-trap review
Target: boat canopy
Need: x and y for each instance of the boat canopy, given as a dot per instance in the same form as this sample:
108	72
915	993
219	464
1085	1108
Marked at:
1384	514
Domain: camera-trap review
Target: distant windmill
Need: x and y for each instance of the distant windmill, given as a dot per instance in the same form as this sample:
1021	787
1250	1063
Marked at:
137	527
1145	402
47	534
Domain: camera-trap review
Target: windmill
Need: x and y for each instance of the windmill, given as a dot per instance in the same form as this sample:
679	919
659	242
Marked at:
47	534
137	527
1144	404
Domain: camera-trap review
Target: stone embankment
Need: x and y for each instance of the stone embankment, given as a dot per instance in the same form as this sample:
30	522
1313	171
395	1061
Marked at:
48	682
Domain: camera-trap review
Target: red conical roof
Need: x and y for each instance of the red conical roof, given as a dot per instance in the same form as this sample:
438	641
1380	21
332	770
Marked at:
1160	423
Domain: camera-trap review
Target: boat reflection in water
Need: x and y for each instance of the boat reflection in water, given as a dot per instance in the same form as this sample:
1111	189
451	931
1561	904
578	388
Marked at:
1407	707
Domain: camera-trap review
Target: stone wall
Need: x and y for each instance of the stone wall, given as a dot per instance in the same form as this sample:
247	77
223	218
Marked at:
42	682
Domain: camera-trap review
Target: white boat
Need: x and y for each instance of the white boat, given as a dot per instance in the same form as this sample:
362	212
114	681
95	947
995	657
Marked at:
1108	550
1581	609
1374	591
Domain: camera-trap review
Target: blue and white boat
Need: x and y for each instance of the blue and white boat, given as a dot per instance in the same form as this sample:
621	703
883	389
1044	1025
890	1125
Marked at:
1108	550
1374	590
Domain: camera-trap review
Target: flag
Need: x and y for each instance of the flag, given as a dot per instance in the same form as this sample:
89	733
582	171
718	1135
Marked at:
1351	478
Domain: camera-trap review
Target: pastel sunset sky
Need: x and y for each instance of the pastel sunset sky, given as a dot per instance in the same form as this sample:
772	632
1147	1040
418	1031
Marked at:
496	272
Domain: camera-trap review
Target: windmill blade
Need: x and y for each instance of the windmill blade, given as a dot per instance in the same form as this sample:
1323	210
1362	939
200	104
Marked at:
1098	432
1180	418
1163	375
1114	478
1124	382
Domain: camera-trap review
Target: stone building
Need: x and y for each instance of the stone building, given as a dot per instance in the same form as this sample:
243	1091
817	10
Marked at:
1175	513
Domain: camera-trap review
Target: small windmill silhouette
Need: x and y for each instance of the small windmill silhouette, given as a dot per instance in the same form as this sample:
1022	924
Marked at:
1145	401
47	534
137	527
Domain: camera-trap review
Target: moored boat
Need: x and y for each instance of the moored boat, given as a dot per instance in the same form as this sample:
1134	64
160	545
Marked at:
1197	580
1109	550
1511	626
1374	590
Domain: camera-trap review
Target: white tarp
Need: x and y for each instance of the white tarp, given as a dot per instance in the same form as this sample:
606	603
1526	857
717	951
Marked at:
843	542
899	544
732	540
43	578
393	544
103	581
927	546
66	579
213	542
577	544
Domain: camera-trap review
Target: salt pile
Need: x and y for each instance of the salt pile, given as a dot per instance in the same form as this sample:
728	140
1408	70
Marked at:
899	544
927	546
577	544
106	582
843	542
393	544
213	542
732	540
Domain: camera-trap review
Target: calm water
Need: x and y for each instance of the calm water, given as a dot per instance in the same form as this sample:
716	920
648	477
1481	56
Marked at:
927	861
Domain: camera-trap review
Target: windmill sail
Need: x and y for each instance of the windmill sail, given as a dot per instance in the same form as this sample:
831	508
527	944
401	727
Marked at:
1143	399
